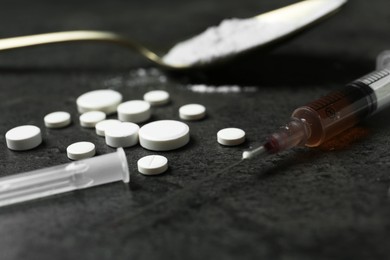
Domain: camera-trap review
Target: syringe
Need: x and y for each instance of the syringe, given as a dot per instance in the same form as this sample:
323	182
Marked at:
318	121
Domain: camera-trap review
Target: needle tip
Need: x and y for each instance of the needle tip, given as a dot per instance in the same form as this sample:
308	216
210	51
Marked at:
250	154
246	155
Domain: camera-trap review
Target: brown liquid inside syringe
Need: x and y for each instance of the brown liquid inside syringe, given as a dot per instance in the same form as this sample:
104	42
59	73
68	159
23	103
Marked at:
322	119
313	124
336	112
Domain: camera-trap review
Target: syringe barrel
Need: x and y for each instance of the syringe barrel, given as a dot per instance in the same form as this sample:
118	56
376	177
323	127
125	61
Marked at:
63	178
340	110
324	118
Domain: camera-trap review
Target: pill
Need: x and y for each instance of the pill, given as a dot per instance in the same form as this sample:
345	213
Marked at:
157	97
122	135
91	118
231	136
164	135
192	112
102	126
80	150
105	100
135	111
152	164
24	137
57	119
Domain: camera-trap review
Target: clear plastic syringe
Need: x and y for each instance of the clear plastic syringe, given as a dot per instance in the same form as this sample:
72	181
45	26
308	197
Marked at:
63	178
318	121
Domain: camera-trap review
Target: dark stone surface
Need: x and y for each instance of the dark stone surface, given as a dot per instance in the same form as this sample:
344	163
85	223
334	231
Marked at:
324	203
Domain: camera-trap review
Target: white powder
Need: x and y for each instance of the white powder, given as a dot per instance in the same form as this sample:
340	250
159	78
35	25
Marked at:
141	77
233	36
200	88
230	37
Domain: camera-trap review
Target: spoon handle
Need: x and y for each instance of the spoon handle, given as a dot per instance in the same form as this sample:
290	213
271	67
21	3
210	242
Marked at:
78	36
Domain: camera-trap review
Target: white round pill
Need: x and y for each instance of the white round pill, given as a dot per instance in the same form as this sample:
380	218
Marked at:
57	119
80	150
157	97
91	118
102	126
24	137
105	100
231	136
192	112
122	135
152	164
135	111
164	135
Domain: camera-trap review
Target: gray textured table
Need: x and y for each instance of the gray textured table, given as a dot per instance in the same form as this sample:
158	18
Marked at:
324	203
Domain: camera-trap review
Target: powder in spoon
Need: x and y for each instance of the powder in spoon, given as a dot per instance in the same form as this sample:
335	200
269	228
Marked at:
233	36
228	38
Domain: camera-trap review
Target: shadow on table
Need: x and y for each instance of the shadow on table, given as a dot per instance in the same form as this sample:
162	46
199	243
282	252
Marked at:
276	69
257	68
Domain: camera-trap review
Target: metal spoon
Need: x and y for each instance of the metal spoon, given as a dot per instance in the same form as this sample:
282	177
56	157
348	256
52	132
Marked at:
303	14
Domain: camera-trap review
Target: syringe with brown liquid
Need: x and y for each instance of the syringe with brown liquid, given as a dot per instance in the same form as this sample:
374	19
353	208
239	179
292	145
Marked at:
322	119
